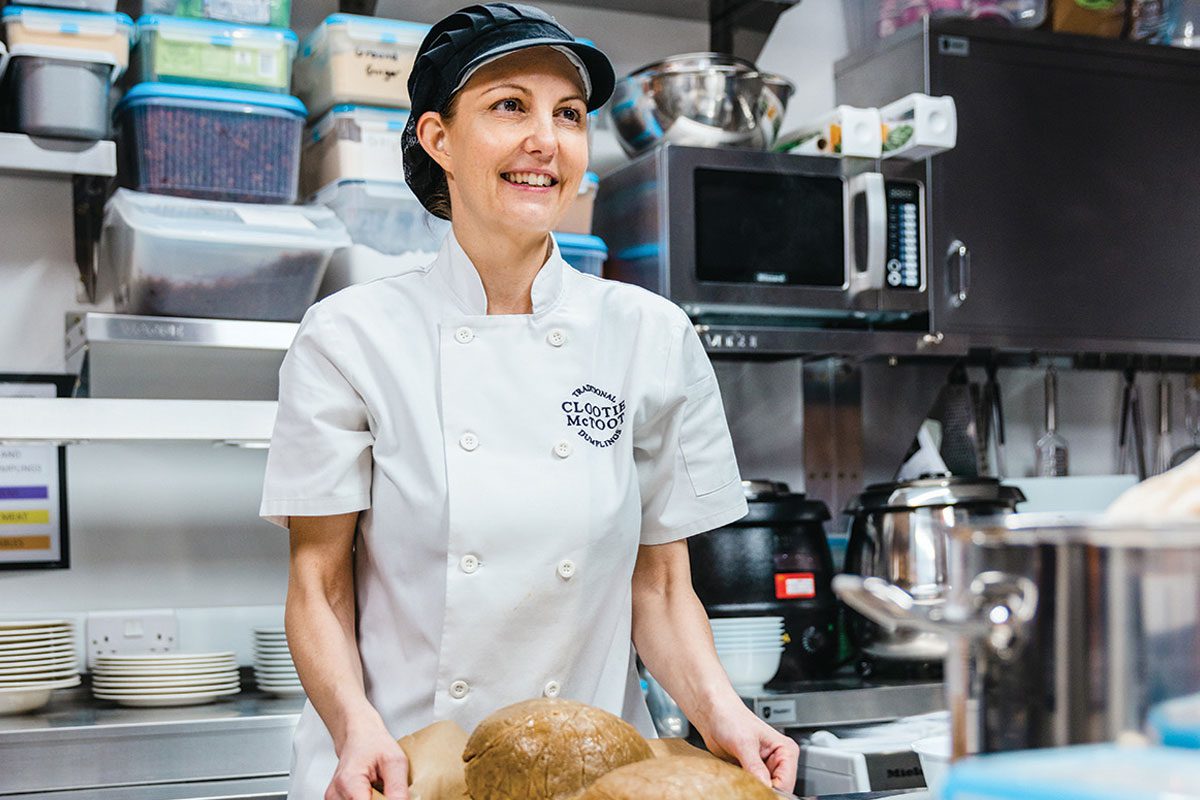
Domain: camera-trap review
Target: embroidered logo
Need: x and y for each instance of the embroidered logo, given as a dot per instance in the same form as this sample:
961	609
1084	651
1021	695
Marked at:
595	415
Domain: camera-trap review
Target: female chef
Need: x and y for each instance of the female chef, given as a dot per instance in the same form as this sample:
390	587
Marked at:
489	465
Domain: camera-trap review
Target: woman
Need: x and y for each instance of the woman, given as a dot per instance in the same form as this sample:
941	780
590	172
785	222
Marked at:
489	466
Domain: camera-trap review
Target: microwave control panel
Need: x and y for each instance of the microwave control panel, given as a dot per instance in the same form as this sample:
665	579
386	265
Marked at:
904	237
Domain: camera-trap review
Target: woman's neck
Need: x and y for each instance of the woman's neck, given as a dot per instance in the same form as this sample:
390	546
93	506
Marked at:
506	265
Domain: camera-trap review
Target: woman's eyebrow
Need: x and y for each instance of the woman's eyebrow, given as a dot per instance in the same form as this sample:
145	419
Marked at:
509	86
575	96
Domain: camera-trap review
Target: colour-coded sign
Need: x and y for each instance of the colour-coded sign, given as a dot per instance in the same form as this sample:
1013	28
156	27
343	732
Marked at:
795	585
31	502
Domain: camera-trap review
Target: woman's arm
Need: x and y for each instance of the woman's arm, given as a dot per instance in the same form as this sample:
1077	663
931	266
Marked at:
320	620
673	638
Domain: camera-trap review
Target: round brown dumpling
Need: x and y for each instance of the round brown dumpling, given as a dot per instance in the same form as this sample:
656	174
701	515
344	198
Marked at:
547	749
678	778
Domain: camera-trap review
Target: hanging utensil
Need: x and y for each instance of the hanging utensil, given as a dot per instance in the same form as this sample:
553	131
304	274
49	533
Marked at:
996	416
1051	447
1162	448
955	410
1191	421
1132	457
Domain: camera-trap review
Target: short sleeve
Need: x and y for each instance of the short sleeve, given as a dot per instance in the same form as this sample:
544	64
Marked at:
319	462
687	471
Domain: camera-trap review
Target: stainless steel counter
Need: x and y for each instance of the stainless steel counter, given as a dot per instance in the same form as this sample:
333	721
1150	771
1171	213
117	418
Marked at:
846	699
78	742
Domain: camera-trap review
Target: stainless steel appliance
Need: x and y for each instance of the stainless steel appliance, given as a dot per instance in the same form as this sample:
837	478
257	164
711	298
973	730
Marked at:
743	236
1047	229
900	532
1065	634
775	561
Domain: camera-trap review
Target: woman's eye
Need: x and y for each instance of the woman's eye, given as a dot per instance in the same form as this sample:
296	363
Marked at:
572	114
508	105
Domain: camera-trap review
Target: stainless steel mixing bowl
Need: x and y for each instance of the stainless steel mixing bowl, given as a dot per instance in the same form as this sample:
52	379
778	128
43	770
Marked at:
702	99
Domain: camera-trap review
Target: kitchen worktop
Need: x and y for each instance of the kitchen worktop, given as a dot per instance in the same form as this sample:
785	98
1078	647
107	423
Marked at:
244	737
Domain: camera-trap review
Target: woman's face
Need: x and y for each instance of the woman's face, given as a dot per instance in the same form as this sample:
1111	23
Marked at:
515	149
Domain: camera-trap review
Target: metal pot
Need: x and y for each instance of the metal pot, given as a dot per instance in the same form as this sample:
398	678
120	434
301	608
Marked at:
1063	634
900	532
775	561
701	99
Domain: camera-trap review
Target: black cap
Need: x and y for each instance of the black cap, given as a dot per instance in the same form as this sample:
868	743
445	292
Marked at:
462	42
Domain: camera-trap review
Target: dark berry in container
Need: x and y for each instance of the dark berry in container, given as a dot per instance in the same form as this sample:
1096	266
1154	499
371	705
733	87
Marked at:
210	143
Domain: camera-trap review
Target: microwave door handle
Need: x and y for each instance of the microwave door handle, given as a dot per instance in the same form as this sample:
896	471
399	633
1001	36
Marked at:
868	276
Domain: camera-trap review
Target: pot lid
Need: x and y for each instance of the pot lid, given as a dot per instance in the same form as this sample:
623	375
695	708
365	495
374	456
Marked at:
936	490
761	489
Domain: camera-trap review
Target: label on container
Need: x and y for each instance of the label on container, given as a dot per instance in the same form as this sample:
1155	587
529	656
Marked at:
382	151
795	585
254	12
270	218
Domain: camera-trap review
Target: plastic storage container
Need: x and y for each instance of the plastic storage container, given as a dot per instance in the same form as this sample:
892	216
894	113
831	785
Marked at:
353	143
385	216
578	218
60	91
1176	723
100	6
179	50
196	258
584	253
350	59
210	143
80	30
276	13
1094	772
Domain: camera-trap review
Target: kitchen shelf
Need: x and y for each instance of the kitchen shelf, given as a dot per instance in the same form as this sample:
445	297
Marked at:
27	421
21	154
776	341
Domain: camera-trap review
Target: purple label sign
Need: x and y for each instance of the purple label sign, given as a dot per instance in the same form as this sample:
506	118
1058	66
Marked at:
24	493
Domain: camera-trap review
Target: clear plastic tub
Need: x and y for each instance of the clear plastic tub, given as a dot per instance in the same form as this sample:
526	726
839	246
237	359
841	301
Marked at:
578	218
61	92
585	253
357	60
79	30
353	143
276	13
177	50
385	216
100	6
210	143
195	258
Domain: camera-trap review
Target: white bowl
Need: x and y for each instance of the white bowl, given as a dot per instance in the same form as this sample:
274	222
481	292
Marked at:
745	620
766	636
21	701
750	668
934	754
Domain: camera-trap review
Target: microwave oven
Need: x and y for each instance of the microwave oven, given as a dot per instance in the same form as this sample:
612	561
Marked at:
751	236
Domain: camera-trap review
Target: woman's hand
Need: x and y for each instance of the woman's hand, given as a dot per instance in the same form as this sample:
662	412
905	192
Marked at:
369	757
734	732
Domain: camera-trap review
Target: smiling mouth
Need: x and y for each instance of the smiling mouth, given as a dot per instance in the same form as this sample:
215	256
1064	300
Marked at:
529	178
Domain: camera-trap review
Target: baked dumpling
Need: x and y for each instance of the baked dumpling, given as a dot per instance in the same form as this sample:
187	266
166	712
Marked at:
678	778
548	749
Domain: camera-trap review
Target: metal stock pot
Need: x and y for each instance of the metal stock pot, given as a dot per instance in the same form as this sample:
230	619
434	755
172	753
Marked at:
1062	633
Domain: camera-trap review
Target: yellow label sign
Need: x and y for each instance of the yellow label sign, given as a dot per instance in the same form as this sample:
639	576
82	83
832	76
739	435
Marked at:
11	543
25	517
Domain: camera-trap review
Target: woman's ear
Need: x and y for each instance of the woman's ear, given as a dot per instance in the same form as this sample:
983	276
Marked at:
431	133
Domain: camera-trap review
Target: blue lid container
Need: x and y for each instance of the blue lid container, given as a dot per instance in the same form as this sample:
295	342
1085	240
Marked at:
1090	772
585	253
1177	722
192	94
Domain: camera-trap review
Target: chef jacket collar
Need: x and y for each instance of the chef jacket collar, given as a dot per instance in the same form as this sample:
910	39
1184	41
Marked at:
465	284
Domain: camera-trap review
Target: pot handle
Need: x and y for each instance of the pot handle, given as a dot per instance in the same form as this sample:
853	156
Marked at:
885	604
1006	604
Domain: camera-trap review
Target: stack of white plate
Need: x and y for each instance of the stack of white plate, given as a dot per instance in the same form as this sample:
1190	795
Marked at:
750	649
36	657
273	668
165	679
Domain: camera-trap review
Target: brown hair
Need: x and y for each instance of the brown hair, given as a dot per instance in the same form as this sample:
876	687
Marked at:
438	199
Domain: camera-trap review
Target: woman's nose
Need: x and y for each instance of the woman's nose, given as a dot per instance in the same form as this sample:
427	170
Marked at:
542	137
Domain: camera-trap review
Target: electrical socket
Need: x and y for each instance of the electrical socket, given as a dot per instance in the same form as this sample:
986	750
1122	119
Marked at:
129	632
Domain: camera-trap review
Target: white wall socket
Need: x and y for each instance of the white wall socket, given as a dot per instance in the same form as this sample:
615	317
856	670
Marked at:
130	632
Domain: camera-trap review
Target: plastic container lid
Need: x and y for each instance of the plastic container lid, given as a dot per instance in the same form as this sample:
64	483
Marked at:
1177	722
67	21
372	29
590	181
1090	772
220	33
381	190
581	241
180	218
63	54
146	92
393	119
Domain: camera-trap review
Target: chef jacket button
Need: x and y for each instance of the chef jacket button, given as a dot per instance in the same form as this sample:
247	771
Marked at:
468	563
557	337
566	569
459	689
468	441
464	335
552	689
562	449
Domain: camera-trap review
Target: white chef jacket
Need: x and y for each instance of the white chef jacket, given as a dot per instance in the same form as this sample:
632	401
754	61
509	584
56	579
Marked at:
507	468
